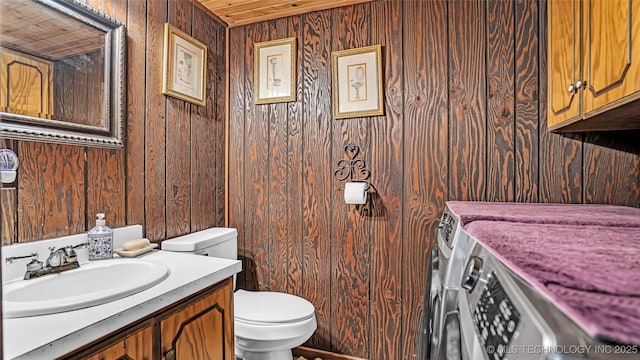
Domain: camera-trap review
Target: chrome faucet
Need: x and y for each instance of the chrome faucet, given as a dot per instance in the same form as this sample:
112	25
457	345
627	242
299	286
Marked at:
61	256
59	260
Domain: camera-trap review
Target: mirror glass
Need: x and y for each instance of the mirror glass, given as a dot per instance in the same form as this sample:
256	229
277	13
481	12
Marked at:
61	73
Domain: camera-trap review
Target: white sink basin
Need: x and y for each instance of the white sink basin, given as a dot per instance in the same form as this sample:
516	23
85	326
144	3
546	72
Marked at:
94	283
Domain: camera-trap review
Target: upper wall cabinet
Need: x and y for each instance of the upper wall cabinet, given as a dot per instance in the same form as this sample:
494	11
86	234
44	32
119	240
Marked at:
594	65
62	73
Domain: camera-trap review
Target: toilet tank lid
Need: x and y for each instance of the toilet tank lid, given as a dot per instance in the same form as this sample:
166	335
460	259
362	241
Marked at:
200	239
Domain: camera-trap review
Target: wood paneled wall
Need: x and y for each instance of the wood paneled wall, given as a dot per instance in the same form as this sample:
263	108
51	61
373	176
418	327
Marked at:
169	177
465	83
77	86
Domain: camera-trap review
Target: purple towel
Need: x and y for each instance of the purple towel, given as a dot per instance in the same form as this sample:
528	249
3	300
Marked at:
543	213
591	273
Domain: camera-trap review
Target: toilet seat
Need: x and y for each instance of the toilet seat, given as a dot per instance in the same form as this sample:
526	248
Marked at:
272	316
264	307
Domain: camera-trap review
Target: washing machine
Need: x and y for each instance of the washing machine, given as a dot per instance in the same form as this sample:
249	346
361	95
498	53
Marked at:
444	271
430	307
550	291
439	336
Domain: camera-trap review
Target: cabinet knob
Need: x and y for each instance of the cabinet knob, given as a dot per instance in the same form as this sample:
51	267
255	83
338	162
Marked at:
573	89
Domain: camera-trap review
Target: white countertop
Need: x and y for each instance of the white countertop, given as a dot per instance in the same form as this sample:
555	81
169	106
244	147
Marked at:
50	336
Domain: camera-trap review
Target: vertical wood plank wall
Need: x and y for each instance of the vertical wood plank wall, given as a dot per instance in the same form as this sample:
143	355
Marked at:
169	177
465	83
463	120
76	92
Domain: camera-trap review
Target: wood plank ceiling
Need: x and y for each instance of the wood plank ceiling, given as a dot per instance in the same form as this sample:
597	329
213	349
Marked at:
242	12
48	35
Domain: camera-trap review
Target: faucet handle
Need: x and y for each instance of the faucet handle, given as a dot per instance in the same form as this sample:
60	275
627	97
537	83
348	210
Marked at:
52	248
70	253
10	259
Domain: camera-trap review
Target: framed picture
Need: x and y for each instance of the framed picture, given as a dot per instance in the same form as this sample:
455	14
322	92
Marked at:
357	82
274	71
184	66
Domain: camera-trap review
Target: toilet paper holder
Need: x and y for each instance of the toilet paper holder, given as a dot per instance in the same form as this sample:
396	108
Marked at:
353	169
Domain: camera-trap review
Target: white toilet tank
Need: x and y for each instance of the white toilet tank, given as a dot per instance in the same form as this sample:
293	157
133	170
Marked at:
217	242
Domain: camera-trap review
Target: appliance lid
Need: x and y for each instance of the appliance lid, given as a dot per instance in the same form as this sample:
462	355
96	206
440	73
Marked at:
270	307
545	213
588	272
199	240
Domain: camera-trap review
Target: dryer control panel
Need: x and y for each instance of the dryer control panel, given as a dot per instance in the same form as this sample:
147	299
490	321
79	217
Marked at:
446	227
495	318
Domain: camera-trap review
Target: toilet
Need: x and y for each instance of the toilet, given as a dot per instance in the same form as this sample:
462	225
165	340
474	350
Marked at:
267	324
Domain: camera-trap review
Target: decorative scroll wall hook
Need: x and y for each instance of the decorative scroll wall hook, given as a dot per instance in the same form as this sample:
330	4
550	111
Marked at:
353	169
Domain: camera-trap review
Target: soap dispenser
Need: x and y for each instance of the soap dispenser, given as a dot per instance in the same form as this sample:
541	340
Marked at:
100	239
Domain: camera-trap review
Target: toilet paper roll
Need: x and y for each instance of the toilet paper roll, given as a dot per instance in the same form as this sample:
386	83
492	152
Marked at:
355	193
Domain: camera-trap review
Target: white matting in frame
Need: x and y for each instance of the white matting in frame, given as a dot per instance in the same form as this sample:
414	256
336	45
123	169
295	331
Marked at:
275	71
184	65
357	82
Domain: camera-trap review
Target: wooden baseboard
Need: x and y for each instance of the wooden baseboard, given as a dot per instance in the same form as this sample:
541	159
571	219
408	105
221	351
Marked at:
312	354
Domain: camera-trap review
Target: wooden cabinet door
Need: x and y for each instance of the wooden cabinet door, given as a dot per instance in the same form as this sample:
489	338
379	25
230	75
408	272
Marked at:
201	330
138	346
611	52
25	84
563	61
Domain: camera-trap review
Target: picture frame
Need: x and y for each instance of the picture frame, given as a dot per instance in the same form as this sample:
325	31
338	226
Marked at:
184	66
274	71
357	82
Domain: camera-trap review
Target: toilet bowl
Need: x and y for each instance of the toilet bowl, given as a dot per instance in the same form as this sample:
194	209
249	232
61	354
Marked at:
267	325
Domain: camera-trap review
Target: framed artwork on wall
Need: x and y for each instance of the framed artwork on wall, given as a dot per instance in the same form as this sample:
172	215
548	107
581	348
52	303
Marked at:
274	71
184	66
357	82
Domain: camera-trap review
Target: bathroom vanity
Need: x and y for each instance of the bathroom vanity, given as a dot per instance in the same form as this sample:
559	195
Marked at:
189	314
200	327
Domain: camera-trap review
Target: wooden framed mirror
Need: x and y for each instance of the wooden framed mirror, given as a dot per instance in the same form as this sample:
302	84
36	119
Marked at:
62	73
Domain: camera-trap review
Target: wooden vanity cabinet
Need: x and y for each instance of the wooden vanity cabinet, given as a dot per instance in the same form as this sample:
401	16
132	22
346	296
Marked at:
594	65
138	346
202	329
199	327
